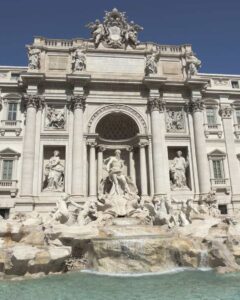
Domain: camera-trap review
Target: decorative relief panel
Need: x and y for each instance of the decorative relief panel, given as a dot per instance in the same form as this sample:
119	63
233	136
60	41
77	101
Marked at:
55	118
175	121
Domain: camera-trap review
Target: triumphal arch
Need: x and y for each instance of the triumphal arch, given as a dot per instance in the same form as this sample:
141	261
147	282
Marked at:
111	115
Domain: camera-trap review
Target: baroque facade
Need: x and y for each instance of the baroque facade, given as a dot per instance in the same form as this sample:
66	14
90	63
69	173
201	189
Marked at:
78	101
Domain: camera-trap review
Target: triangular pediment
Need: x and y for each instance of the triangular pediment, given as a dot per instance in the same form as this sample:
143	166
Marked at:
9	152
217	152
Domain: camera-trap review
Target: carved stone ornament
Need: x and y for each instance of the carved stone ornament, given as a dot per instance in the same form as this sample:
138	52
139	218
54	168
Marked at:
175	121
226	112
156	104
77	101
78	60
115	31
34	58
196	105
55	118
34	100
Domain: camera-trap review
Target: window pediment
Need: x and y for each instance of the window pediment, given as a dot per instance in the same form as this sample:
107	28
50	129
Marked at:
216	153
8	152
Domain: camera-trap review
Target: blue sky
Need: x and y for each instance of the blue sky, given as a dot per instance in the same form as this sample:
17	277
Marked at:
211	26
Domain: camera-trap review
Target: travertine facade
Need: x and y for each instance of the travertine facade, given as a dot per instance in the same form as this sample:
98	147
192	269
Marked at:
80	100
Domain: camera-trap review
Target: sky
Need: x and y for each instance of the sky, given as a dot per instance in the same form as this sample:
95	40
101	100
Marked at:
211	26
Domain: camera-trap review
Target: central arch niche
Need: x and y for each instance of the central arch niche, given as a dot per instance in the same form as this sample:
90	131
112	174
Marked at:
117	126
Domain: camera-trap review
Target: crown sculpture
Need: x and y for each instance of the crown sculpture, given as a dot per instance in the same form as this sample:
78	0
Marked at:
115	31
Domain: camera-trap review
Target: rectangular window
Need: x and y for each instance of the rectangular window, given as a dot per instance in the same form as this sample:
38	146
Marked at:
238	116
211	116
235	85
12	111
7	170
217	169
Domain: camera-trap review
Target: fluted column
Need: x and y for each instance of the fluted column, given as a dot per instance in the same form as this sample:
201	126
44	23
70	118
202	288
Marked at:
160	168
132	171
33	102
233	163
143	169
100	164
92	170
196	106
78	104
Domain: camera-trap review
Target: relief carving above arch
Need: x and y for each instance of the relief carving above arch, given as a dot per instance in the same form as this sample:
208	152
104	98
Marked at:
117	108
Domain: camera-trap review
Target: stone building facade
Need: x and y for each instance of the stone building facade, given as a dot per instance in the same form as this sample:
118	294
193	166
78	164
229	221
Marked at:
80	100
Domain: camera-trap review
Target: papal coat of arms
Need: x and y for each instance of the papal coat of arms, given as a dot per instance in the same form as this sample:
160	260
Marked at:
115	31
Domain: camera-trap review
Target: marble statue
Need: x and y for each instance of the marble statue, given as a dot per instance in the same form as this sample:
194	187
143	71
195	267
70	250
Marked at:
55	118
178	172
61	213
185	213
54	172
151	63
115	31
78	60
114	166
98	31
192	64
174	121
33	58
164	213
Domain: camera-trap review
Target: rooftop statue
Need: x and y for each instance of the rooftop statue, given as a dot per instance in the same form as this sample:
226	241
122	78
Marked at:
115	31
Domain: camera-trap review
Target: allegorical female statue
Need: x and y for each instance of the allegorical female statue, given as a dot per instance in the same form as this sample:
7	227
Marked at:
178	171
54	172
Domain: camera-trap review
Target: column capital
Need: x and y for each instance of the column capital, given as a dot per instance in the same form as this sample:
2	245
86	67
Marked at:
226	112
196	105
142	144
34	100
77	102
101	149
92	144
156	104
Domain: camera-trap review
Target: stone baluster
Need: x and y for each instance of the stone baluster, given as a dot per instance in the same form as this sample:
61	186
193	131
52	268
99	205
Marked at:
143	169
160	167
196	106
78	105
33	102
92	170
233	164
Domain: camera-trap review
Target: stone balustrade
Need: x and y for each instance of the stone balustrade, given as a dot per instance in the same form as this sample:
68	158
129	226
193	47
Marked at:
9	186
11	125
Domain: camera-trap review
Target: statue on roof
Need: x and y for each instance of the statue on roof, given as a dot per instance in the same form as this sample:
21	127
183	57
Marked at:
115	31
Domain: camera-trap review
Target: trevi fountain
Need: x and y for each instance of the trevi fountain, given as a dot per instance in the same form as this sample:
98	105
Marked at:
126	198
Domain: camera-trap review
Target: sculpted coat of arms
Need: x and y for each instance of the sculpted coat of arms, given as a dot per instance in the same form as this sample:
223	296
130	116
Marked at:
115	31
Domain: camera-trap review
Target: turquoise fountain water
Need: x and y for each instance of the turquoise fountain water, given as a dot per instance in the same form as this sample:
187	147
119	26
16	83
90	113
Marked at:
186	285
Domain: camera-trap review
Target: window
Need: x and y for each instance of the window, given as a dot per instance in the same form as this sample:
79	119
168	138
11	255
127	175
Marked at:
217	169
235	84
211	116
238	116
223	209
7	170
12	111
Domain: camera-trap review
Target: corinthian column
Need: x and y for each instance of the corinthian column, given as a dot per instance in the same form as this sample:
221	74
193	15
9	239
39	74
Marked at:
233	163
78	104
196	105
92	170
143	169
160	159
33	102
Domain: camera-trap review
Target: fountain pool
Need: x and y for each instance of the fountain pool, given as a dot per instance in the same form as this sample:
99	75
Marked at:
184	285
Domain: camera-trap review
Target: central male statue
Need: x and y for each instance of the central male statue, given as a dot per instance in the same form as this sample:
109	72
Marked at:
114	166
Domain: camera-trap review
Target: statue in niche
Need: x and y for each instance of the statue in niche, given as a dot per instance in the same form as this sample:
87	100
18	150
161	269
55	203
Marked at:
120	182
55	118
174	121
178	172
33	58
151	63
54	174
192	64
78	60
